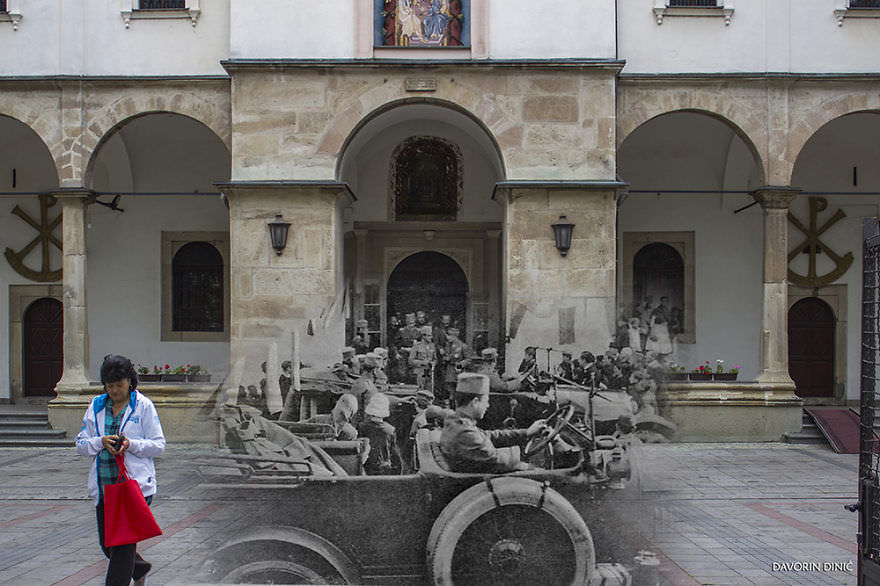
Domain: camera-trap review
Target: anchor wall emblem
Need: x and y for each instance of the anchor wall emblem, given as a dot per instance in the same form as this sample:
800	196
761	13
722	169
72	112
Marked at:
814	246
45	238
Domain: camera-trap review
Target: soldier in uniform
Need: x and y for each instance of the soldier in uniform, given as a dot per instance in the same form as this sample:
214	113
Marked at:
350	362
565	369
453	353
380	377
421	359
468	448
508	384
365	387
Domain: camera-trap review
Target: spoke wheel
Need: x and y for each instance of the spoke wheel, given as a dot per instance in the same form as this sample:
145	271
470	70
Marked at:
510	531
273	572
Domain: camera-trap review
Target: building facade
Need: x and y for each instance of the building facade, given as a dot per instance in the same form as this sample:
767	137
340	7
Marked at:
718	157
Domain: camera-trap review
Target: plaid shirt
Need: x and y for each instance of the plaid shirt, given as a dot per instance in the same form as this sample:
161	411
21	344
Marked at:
108	471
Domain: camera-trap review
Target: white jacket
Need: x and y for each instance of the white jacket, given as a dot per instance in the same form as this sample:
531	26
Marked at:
140	424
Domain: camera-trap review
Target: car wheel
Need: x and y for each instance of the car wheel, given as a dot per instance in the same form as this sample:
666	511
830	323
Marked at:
271	563
511	531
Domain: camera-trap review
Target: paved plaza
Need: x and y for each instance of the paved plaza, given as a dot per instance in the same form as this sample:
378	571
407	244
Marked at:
712	513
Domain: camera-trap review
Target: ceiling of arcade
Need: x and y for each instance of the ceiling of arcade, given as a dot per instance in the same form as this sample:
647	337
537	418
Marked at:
774	118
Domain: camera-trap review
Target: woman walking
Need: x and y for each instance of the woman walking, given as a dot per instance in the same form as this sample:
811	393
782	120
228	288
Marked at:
121	421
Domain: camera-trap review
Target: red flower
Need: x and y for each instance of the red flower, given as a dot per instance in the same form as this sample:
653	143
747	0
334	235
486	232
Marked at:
167	366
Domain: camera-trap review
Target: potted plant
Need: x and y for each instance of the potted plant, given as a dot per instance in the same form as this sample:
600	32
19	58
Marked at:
175	375
676	372
197	374
702	372
145	376
725	375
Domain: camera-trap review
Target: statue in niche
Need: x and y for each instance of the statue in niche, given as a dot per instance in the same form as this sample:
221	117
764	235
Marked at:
427	180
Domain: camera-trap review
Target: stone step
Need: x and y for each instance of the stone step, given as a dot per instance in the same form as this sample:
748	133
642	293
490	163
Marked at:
39	416
20	423
6	433
36	443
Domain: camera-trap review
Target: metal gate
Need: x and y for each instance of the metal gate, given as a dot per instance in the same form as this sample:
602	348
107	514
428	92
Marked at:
869	449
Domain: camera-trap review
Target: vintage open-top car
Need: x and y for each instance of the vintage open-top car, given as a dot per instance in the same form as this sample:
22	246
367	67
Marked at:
316	518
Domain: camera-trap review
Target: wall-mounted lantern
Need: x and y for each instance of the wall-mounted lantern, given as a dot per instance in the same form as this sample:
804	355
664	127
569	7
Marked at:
278	233
562	230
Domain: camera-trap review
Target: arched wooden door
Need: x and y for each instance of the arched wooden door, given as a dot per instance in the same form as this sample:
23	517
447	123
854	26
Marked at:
43	347
811	347
431	282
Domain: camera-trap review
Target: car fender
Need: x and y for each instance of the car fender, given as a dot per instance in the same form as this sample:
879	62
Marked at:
305	539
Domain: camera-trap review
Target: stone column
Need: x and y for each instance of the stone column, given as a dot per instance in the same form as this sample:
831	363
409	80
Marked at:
76	322
773	342
301	290
554	301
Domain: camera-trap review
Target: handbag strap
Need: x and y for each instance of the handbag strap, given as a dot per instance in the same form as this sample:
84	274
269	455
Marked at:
120	464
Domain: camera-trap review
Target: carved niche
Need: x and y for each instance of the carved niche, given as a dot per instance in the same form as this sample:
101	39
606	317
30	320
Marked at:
426	179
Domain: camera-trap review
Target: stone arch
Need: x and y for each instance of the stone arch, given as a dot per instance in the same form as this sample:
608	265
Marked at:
210	108
630	128
809	121
346	125
96	149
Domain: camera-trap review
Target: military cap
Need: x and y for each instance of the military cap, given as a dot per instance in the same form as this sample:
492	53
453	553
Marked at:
371	358
380	352
472	383
453	329
489	354
427	330
566	353
361	323
347	350
427	393
378	406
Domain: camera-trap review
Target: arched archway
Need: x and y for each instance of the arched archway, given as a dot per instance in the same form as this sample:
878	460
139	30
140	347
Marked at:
658	282
431	282
811	327
43	347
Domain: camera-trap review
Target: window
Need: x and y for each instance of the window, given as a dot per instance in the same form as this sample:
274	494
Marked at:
195	286
427	179
162	5
856	9
717	8
10	11
160	9
421	23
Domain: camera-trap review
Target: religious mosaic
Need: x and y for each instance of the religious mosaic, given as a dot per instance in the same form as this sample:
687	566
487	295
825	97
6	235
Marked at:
422	23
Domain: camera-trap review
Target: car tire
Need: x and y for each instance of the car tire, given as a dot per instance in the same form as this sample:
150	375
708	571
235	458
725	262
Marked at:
269	562
510	531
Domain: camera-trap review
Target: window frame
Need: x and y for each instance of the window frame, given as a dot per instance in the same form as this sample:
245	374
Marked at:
129	10
722	9
12	14
172	242
843	10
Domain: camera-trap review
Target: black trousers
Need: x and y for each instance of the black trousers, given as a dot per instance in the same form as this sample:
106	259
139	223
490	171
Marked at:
126	564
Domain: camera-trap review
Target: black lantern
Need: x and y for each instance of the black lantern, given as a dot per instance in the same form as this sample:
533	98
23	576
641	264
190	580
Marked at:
278	233
562	230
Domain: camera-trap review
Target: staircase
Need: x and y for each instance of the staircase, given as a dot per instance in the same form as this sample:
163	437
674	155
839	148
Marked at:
809	433
26	428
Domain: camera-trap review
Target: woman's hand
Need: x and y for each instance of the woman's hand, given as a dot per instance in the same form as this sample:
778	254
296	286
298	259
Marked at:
110	442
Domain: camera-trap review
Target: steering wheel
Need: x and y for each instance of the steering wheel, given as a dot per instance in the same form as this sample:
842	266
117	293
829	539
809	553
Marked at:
558	420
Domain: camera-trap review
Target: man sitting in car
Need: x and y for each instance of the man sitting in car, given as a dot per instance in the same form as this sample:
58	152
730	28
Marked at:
468	448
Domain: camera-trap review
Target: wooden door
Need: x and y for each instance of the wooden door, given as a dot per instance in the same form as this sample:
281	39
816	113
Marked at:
43	347
811	347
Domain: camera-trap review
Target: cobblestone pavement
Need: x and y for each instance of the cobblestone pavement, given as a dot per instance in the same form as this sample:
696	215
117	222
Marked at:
712	513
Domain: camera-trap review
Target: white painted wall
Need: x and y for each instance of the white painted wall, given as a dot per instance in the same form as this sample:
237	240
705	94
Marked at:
764	35
88	37
22	150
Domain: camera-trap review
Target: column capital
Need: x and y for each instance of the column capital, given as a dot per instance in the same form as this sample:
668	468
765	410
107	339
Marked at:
775	197
73	193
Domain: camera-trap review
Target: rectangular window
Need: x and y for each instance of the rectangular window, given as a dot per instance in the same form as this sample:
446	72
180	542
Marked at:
864	3
422	23
2	5
373	311
693	3
162	5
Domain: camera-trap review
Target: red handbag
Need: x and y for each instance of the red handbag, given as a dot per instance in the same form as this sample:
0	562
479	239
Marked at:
127	516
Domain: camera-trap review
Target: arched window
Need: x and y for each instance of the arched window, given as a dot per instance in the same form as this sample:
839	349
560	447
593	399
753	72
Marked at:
197	289
658	281
427	180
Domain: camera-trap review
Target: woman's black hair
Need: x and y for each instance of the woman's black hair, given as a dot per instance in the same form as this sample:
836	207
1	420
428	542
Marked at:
115	368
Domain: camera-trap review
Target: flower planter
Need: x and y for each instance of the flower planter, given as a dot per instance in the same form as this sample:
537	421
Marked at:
699	376
725	376
676	376
149	378
198	378
174	378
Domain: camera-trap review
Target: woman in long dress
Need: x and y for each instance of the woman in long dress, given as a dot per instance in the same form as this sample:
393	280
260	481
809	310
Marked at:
658	335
